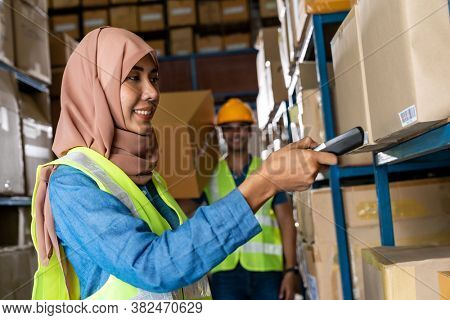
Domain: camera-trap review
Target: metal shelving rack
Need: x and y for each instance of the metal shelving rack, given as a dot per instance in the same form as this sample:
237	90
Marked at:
394	160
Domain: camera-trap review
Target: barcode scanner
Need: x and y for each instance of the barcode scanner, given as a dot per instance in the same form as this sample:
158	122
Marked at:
343	143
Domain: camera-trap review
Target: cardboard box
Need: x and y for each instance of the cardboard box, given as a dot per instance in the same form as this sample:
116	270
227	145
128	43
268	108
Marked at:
268	8
323	275
237	41
310	115
151	17
6	34
40	4
125	17
66	24
94	19
11	163
209	12
93	3
407	79
181	12
159	46
61	47
444	284
234	11
405	273
58	4
328	6
209	44
31	41
37	134
181	41
55	88
17	268
188	146
122	1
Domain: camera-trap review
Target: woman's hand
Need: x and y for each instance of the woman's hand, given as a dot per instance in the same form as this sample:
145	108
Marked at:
292	168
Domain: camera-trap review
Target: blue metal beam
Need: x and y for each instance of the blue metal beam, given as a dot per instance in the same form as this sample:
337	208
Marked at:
15	201
24	78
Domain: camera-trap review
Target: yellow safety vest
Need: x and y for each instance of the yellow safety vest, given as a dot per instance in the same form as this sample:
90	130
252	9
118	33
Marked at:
264	252
55	282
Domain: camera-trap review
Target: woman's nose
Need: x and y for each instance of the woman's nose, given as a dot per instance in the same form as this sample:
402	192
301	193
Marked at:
149	92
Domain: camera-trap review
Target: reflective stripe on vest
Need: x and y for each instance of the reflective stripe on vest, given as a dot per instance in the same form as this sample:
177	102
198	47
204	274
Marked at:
264	252
113	180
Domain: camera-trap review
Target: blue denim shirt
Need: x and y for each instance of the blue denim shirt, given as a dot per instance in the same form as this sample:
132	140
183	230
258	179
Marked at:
100	237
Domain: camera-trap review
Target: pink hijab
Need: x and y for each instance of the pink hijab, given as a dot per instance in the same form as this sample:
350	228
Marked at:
91	116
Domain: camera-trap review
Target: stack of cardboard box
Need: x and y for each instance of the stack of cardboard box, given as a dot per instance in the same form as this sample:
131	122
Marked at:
420	213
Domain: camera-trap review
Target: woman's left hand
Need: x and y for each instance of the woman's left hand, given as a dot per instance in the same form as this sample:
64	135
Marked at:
288	285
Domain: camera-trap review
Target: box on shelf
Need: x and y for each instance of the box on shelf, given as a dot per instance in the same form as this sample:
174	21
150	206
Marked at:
237	41
209	44
188	144
41	4
31	41
93	19
12	166
406	273
234	11
181	41
181	12
444	284
209	12
6	38
268	8
59	4
151	17
327	6
310	115
125	17
407	79
61	47
159	46
122	1
93	3
66	24
37	134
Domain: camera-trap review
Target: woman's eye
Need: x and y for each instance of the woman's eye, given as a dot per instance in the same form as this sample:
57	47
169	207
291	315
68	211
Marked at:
154	80
133	78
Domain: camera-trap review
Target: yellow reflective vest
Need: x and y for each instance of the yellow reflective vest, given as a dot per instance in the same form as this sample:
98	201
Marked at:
264	252
58	280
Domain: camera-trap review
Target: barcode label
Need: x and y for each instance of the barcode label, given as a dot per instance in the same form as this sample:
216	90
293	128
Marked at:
408	116
234	10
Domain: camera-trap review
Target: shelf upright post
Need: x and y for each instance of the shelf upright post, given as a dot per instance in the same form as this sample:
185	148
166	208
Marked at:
335	184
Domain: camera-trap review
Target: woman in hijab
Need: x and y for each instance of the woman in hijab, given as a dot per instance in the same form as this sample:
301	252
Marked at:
104	225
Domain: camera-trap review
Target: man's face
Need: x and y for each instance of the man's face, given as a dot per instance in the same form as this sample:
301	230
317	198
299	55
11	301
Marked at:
236	135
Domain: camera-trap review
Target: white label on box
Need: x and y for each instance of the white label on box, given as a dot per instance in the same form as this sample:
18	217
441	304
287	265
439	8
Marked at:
181	11
94	22
408	116
63	27
37	152
312	287
234	10
271	5
237	46
4	123
209	49
151	17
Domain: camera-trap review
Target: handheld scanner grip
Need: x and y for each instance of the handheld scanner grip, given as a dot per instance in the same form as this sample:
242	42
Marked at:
343	143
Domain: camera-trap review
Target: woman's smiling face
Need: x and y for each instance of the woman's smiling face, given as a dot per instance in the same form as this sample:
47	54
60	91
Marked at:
139	95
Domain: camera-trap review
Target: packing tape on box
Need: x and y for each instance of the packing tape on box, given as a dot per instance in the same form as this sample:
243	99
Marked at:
328	6
4	123
181	11
94	22
368	210
234	10
151	17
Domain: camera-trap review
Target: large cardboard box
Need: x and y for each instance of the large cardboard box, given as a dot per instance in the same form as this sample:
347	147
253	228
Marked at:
406	63
187	141
181	12
209	44
125	17
41	4
310	115
159	46
151	17
323	277
59	4
6	33
68	23
234	10
37	134
405	273
31	41
11	163
61	47
327	6
209	12
444	284
93	3
268	8
94	19
237	41
181	41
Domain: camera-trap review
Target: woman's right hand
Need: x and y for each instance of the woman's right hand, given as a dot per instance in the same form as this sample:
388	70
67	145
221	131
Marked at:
292	168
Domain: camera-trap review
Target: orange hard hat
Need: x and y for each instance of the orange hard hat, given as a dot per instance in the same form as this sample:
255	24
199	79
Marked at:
235	110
